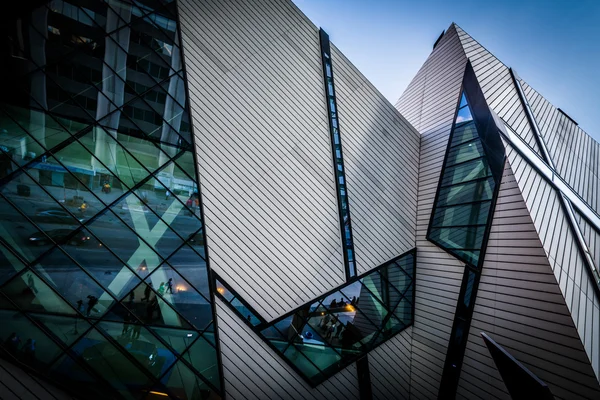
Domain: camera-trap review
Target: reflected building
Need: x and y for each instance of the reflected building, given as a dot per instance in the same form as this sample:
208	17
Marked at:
206	199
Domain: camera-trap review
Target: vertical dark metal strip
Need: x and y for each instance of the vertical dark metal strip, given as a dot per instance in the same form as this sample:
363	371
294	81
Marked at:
364	378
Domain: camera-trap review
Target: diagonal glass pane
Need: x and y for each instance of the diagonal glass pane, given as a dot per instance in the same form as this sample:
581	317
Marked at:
108	270
147	350
178	339
68	184
63	329
183	383
10	263
27	133
25	341
183	298
152	309
111	363
192	267
66	369
479	190
32	198
171	204
202	355
77	287
17	232
30	293
119	162
137	254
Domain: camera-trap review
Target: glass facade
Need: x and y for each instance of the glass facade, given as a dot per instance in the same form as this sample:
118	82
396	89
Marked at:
103	274
338	160
324	336
463	204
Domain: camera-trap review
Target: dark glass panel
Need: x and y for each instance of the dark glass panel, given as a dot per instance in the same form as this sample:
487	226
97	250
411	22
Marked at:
180	381
30	293
143	346
25	239
63	329
469	289
67	370
202	355
10	264
464	152
25	341
459	238
27	134
466	172
479	190
138	255
464	133
112	363
243	310
178	339
468	214
152	309
74	284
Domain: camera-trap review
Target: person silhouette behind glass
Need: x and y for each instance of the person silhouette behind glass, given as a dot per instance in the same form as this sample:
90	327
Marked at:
147	292
170	286
92	301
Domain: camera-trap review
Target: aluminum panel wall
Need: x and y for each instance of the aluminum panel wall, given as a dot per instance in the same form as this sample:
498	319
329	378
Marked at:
253	371
381	158
429	103
498	88
560	246
390	367
520	305
259	114
575	154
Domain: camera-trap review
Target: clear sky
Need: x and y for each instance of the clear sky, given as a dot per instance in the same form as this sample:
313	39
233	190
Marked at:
554	45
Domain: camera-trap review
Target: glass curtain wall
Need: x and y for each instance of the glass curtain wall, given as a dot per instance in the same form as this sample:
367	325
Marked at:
103	273
326	335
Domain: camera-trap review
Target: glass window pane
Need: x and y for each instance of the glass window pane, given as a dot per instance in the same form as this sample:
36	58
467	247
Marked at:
203	357
468	214
25	341
464	115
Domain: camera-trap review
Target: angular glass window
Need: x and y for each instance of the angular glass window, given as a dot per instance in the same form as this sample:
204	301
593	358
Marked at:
463	205
324	336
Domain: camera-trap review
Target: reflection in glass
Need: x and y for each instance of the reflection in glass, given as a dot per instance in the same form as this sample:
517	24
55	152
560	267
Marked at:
324	336
100	218
464	200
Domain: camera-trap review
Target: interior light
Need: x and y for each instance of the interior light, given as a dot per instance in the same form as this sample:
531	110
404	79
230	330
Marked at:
220	290
189	335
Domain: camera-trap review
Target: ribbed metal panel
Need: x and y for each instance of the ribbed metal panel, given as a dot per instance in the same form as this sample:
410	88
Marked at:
381	158
575	154
565	259
520	305
498	89
390	367
259	114
429	103
253	371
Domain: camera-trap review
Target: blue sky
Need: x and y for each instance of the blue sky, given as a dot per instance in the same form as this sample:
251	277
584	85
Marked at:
553	44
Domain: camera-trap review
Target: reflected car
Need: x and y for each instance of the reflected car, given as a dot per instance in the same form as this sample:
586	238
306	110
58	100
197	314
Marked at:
144	352
57	216
59	236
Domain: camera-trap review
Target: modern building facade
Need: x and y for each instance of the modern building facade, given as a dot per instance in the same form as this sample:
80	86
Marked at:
205	199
